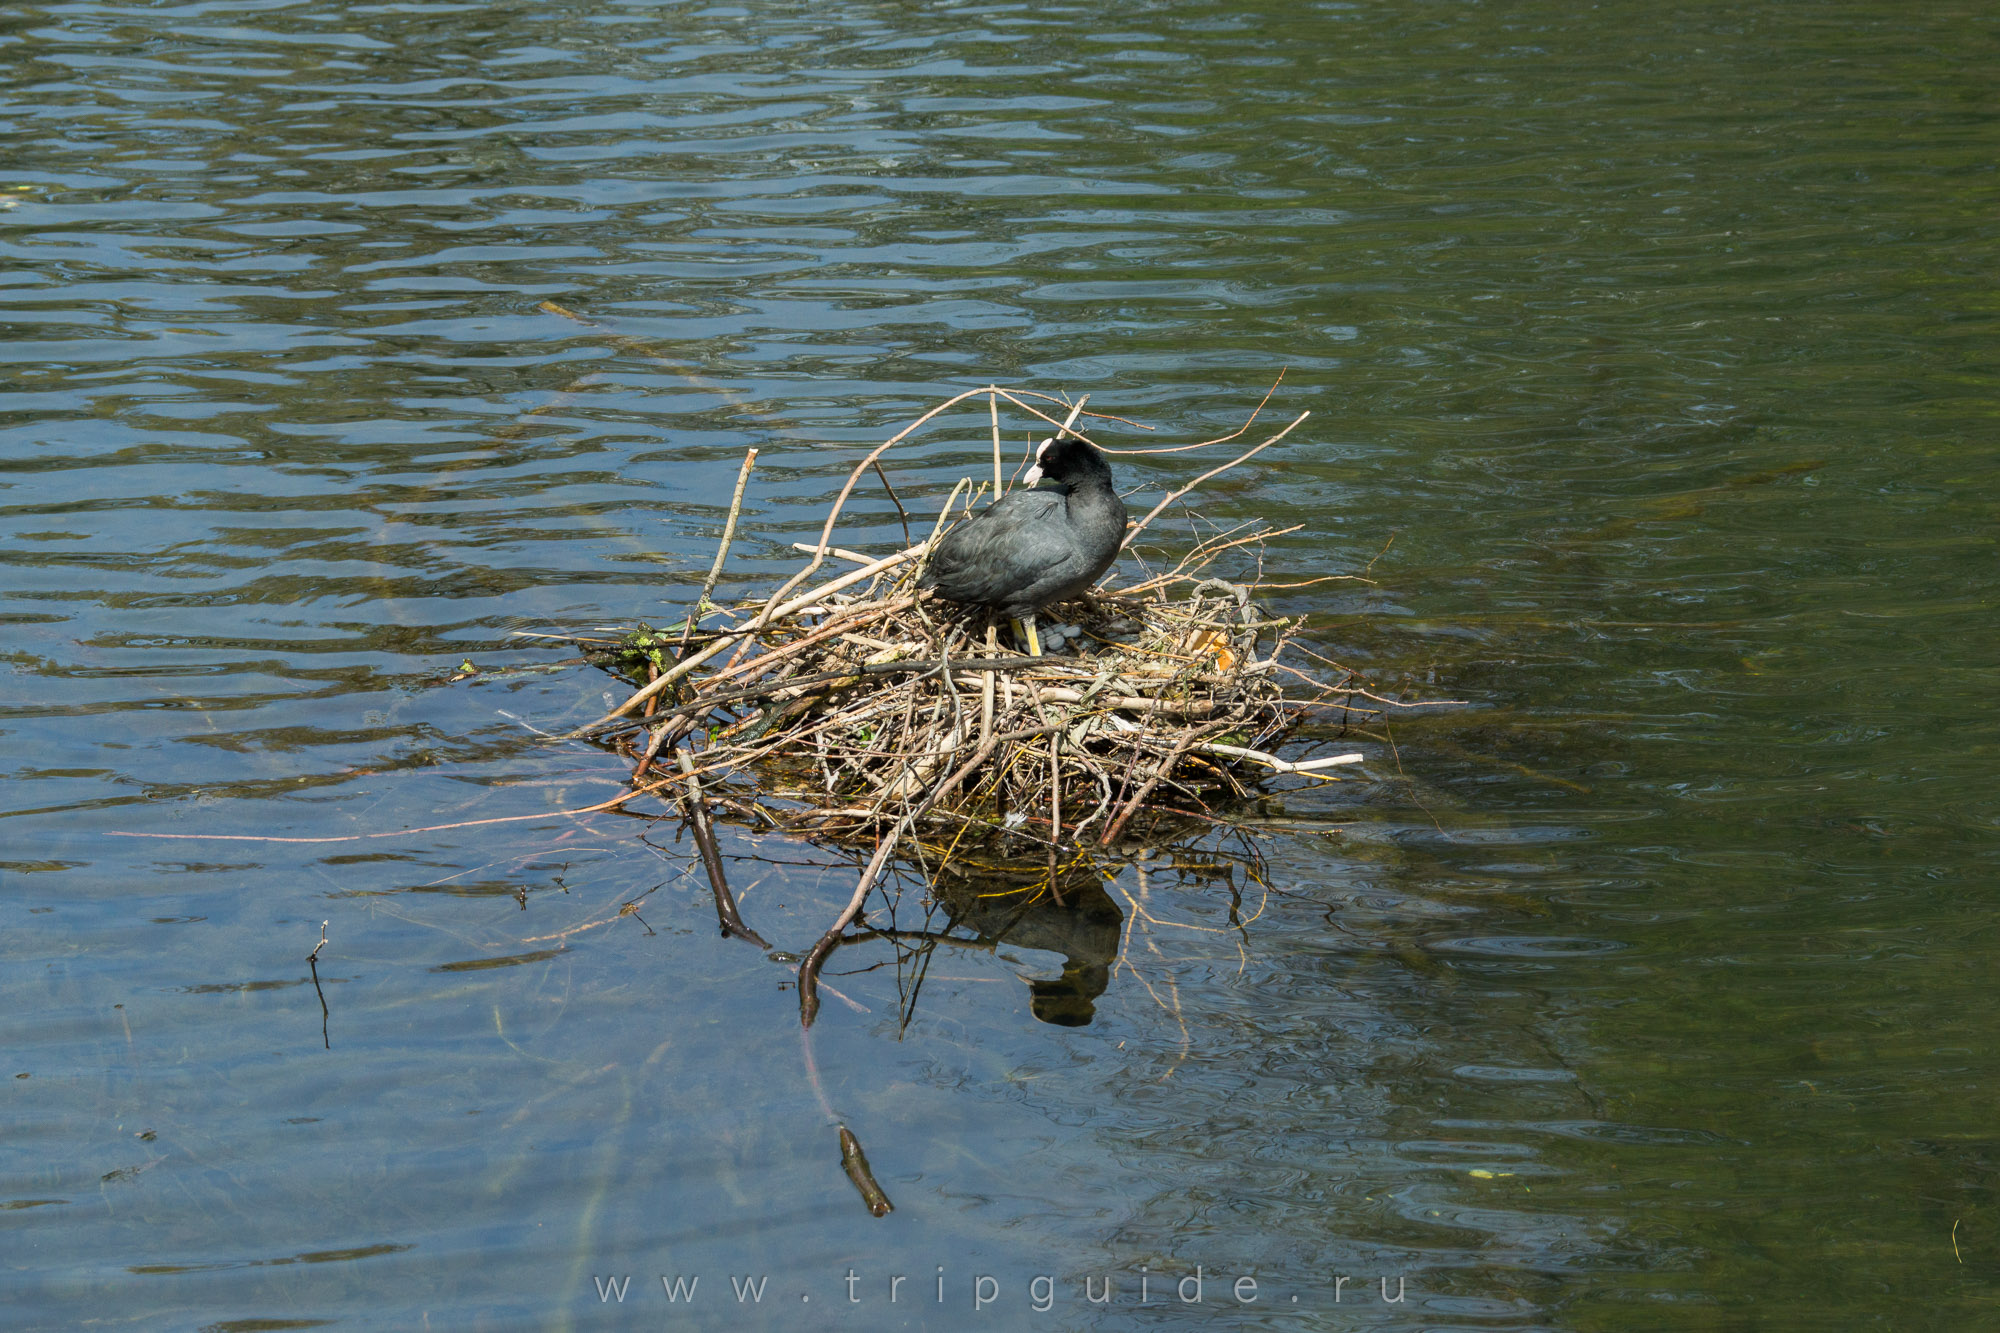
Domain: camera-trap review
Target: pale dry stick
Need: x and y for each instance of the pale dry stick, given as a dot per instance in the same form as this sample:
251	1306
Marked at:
1276	764
1105	416
944	514
1064	401
1067	424
1055	811
1220	439
1032	410
559	638
722	549
797	686
993	411
1206	554
1154	513
772	611
973	497
1403	703
986	687
1136	703
1379	554
854	557
840	500
831	629
1261	586
874	645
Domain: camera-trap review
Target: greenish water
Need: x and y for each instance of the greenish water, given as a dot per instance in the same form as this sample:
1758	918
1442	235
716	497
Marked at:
1650	987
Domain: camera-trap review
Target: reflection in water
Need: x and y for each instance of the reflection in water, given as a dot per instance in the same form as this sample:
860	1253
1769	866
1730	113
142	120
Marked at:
1083	925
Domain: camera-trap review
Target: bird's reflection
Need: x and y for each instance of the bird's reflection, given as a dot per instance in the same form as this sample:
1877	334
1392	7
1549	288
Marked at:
1080	922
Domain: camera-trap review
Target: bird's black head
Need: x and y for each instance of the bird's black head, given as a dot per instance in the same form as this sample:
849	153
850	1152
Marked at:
1068	461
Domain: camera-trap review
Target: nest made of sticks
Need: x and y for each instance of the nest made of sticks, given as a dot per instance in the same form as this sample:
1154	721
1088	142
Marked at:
863	710
865	703
881	706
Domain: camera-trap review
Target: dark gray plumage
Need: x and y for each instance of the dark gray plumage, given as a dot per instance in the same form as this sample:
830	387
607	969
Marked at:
1034	547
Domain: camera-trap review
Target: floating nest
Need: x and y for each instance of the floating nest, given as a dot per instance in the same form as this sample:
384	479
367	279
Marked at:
864	711
885	707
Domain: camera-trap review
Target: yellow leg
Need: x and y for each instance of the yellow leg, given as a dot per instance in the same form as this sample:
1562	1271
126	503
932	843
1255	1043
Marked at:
1025	627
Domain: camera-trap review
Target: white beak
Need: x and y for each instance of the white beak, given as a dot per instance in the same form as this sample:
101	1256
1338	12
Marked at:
1034	474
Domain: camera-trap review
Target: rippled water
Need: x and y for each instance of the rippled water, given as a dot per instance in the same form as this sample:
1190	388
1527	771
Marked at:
1651	356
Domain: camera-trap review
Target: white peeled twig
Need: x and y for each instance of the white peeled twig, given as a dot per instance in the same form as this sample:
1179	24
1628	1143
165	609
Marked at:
1280	765
854	556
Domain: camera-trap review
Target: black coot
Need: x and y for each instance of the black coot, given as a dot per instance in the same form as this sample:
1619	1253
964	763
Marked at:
1034	547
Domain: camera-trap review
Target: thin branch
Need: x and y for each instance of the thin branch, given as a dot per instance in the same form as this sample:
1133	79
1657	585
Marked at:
1154	513
1220	439
728	534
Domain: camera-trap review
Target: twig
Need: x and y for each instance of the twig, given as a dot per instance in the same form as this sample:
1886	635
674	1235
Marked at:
854	557
770	613
1220	439
840	500
707	702
696	806
993	411
1117	825
900	511
325	1016
722	548
1154	513
809	969
1272	761
830	629
855	1163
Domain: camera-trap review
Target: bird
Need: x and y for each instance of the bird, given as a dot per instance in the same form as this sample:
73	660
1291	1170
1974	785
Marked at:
1033	547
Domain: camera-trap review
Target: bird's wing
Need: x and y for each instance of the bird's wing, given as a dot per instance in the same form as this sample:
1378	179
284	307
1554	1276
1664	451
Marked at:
1000	552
